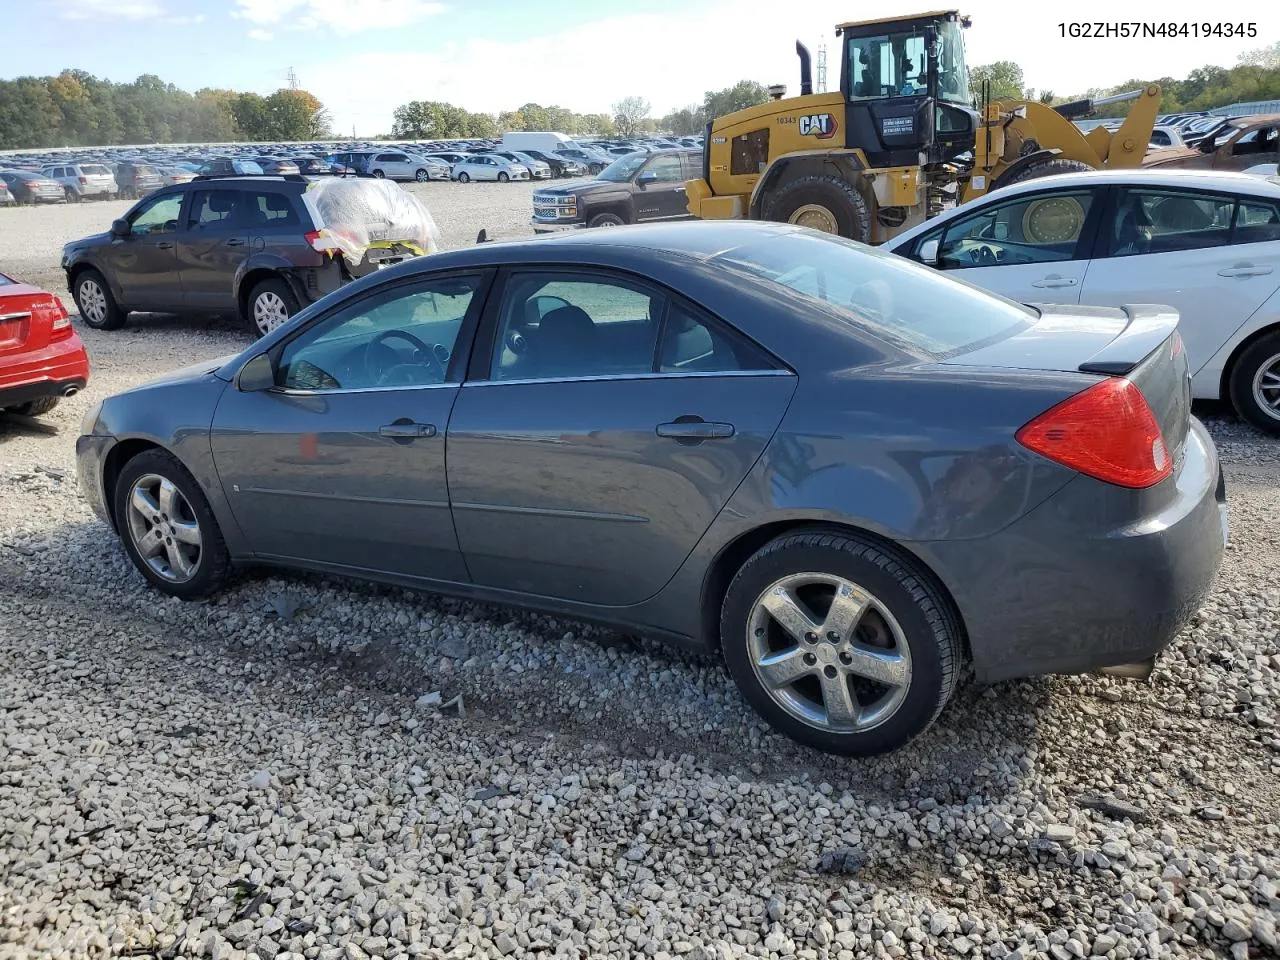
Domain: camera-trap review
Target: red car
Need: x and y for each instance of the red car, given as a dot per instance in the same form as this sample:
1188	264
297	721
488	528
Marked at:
41	357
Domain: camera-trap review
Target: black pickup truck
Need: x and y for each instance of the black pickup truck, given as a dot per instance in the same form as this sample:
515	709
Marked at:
637	188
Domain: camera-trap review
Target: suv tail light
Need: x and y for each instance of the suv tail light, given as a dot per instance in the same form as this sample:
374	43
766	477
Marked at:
84	181
1107	432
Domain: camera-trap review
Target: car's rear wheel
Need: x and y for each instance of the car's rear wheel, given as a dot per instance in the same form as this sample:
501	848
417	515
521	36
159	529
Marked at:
271	303
72	196
33	408
167	527
379	174
464	177
98	309
502	176
1255	383
840	643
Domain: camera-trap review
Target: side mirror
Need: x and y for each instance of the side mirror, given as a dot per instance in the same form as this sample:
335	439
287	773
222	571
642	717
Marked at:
647	177
257	375
120	228
929	252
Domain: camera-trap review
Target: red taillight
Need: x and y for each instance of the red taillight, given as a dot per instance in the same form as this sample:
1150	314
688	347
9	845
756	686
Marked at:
83	181
1107	432
53	310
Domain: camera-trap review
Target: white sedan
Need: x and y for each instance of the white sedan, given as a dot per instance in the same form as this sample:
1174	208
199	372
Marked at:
1205	243
484	166
396	165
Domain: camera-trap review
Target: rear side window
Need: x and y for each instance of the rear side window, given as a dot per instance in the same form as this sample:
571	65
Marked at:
267	209
95	169
1165	221
1257	221
211	209
881	293
694	343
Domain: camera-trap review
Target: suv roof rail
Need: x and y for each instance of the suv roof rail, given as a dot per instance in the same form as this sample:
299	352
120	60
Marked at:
291	177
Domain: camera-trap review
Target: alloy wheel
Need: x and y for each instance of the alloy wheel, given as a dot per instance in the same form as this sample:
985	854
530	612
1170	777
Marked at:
92	301
269	311
163	528
828	652
1266	387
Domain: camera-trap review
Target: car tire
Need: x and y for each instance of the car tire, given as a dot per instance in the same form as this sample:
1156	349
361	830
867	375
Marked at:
33	408
595	168
503	177
175	511
464	177
903	613
826	203
1045	168
1255	383
606	220
268	300
421	176
72	196
379	174
98	308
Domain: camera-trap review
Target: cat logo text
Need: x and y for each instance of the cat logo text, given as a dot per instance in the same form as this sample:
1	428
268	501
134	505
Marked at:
819	125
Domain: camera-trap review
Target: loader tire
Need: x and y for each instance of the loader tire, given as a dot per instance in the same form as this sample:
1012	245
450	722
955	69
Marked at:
822	203
1045	168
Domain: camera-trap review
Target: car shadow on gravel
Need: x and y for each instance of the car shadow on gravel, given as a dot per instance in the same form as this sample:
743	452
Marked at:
13	426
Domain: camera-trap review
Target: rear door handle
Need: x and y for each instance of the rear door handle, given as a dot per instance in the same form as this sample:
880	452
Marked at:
694	430
1055	281
1245	270
404	429
164	245
235	242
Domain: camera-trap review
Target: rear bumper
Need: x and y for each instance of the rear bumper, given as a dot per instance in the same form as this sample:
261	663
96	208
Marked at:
58	369
1048	595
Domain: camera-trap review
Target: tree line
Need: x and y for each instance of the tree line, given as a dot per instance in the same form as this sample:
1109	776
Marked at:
78	109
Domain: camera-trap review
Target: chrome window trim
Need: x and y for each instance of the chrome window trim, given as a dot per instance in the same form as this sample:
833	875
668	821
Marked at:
700	374
295	392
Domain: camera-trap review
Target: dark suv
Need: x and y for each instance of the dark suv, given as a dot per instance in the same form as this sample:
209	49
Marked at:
637	188
243	245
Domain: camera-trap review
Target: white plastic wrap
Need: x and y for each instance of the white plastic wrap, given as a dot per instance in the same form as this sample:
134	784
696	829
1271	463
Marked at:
357	213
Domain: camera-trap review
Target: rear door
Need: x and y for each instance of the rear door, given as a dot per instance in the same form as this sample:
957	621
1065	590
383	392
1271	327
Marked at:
604	425
1032	248
1197	251
277	223
214	241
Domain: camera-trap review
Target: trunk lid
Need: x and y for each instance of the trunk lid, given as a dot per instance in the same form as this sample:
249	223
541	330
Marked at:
27	315
1136	341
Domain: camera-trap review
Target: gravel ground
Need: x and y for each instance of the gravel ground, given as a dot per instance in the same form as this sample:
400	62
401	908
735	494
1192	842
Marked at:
305	767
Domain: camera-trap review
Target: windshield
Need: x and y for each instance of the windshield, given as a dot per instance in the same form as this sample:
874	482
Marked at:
897	64
886	295
622	168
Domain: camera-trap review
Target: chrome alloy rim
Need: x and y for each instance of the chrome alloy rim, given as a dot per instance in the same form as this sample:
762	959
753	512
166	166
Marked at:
164	528
269	311
1266	387
93	302
828	652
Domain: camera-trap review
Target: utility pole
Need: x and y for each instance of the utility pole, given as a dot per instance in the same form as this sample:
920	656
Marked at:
293	79
822	69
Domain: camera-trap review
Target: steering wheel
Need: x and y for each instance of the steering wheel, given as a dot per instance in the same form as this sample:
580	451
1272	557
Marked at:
983	255
423	355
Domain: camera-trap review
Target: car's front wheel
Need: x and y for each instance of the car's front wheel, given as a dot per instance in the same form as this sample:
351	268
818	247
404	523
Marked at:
167	527
502	176
98	308
606	220
1255	383
421	176
840	643
271	303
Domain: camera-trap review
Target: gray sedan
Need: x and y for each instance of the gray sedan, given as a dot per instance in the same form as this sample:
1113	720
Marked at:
843	472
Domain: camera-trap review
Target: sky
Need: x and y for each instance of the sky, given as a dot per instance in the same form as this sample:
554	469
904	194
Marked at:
362	58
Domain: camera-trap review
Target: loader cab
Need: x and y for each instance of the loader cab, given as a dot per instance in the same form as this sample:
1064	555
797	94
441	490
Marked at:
906	87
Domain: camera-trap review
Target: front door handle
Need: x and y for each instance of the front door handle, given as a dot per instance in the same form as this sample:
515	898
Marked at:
691	430
235	242
1244	270
405	429
1054	280
164	245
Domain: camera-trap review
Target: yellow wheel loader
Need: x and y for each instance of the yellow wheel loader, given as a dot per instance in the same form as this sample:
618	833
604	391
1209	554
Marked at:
900	141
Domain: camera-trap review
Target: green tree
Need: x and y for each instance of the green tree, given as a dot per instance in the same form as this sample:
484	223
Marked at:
28	115
685	121
416	120
743	94
1006	80
629	115
251	116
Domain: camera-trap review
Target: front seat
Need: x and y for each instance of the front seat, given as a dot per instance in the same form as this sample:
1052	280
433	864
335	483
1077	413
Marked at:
1134	234
566	344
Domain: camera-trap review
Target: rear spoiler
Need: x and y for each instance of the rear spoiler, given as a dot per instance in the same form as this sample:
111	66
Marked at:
1150	324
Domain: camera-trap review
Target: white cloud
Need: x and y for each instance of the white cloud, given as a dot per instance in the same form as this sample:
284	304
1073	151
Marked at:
257	34
113	9
590	65
184	21
339	16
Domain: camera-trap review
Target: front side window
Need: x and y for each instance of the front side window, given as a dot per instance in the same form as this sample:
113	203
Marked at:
953	72
157	216
400	338
1258	140
1037	229
623	168
888	65
878	292
1165	221
665	169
